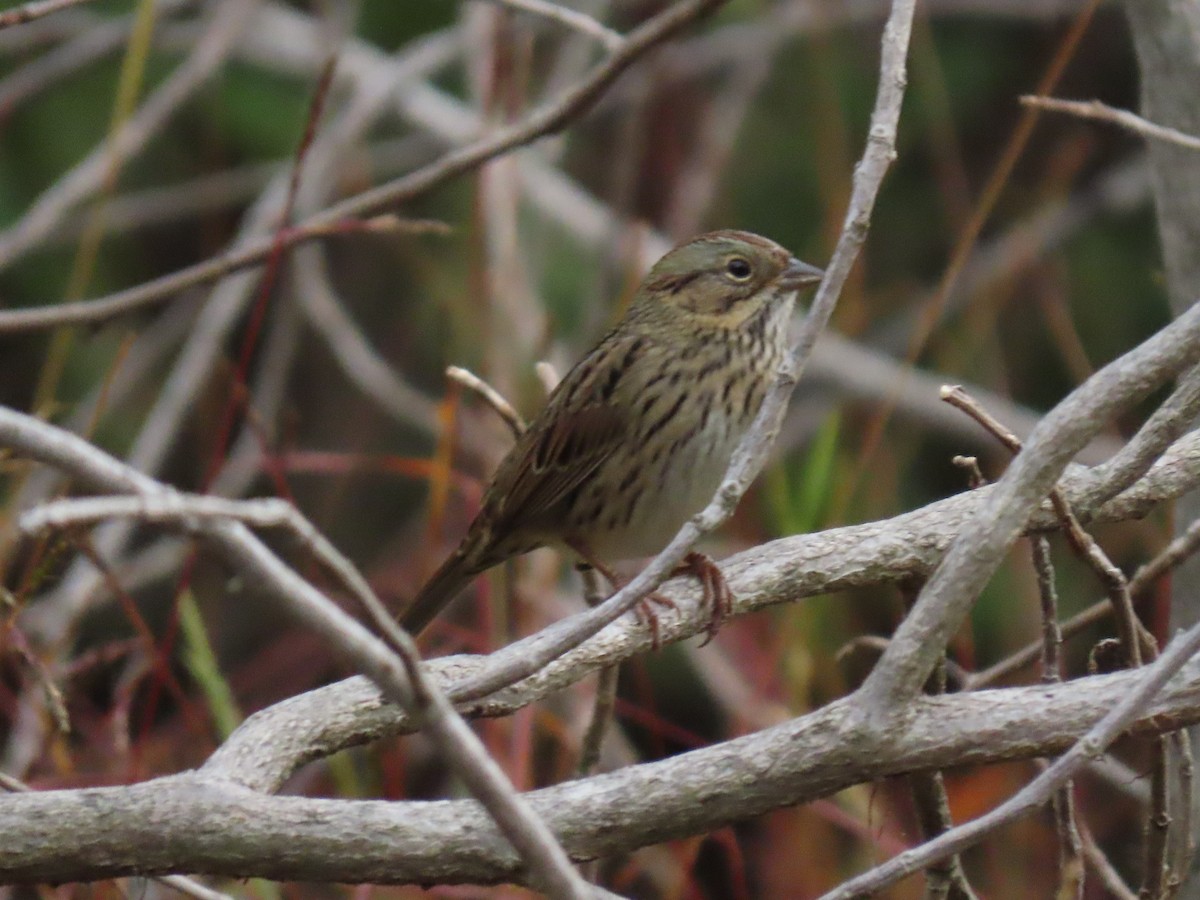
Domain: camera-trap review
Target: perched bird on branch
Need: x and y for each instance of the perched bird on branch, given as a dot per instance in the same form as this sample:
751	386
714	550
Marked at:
636	438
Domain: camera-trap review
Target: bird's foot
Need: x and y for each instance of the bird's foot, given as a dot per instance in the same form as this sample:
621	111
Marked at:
644	611
717	594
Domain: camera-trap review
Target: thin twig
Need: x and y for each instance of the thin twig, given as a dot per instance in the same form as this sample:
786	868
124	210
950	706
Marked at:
1070	847
35	10
1158	825
946	879
606	689
51	693
1107	872
173	507
82	311
1133	635
572	18
1134	640
1094	109
1043	566
493	397
970	465
1070	866
1171	556
1181	854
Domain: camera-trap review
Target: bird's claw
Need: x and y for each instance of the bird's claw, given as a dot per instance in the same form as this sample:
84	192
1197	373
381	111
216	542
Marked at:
717	593
644	611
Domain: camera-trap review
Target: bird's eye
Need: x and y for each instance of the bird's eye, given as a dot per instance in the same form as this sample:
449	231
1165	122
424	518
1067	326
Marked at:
738	269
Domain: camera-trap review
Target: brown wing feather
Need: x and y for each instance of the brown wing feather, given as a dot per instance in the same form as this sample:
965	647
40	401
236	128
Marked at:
576	432
578	429
567	454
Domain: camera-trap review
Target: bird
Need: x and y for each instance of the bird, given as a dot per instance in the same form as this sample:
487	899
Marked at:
637	437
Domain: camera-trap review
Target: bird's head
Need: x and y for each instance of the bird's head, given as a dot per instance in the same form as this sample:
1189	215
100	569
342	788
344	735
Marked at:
722	279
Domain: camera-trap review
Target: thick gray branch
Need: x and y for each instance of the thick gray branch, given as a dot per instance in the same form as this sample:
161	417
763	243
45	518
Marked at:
274	742
207	825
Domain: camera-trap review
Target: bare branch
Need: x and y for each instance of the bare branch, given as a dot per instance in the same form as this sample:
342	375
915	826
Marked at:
572	18
1109	876
1133	635
79	312
1070	866
1102	112
187	886
400	675
1180	549
783	571
35	10
491	396
1134	638
1149	680
207	821
983	542
1073	703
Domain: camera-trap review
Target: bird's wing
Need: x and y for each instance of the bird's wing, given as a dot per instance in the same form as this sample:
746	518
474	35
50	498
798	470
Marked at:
574	434
578	430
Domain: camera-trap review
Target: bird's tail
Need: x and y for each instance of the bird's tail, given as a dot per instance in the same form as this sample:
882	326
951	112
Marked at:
453	575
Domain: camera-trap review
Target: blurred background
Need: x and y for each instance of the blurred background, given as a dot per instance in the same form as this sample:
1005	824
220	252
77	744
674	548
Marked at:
1009	253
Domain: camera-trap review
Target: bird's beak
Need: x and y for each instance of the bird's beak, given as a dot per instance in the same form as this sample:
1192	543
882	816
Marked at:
800	274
